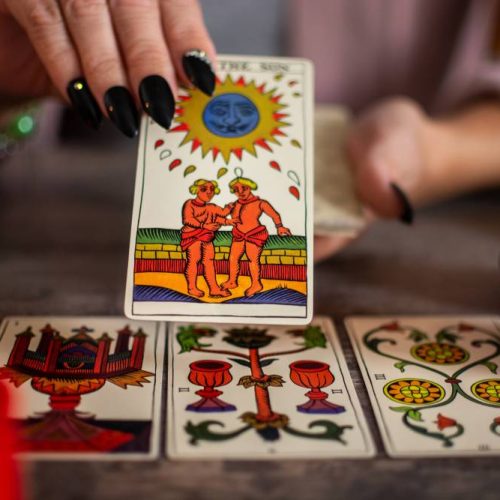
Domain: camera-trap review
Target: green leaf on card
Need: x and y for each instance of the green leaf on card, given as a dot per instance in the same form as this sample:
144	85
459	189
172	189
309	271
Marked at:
492	367
445	336
415	415
400	365
418	336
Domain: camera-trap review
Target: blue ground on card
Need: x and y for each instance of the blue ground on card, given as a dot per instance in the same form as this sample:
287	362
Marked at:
147	293
285	296
276	296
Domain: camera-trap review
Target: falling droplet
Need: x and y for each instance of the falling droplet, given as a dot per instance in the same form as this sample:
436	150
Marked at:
275	165
293	177
165	153
292	83
297	94
238	172
158	143
222	171
278	76
189	170
296	143
294	192
174	164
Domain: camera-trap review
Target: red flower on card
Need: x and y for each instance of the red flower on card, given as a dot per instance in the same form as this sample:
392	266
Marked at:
445	422
465	327
394	326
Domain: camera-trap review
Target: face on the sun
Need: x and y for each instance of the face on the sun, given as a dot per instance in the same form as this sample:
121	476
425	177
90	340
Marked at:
206	192
242	191
231	115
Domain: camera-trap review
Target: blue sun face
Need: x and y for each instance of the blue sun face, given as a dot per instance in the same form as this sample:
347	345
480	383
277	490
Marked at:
230	115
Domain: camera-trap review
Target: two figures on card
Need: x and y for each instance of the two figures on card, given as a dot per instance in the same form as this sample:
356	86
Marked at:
202	219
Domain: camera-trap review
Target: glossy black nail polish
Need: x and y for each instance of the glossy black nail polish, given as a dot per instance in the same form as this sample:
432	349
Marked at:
157	99
199	71
84	102
407	214
121	110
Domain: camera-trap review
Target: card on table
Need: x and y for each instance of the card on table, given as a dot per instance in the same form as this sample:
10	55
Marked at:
222	224
261	392
433	382
84	387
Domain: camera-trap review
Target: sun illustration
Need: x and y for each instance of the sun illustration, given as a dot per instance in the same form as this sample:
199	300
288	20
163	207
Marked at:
238	117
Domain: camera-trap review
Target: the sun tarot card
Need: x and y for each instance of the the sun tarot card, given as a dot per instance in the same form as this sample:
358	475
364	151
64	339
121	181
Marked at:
222	225
269	392
85	387
433	382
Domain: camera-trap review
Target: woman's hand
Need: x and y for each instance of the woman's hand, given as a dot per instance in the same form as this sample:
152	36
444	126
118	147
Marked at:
106	56
393	150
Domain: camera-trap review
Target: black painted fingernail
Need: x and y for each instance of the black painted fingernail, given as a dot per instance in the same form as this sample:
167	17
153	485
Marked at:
407	214
121	110
157	99
199	70
84	102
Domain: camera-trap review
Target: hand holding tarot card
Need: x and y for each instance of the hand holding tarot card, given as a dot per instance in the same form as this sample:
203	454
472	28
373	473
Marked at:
223	218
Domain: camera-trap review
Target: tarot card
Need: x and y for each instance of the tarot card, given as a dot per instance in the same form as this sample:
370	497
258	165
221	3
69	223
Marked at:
271	392
85	388
223	210
337	209
433	382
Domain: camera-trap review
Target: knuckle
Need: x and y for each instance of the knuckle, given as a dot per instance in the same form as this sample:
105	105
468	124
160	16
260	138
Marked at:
42	14
189	32
147	52
78	9
104	68
55	56
135	4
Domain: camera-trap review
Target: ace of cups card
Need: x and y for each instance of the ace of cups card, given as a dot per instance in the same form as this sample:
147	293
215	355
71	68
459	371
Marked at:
222	223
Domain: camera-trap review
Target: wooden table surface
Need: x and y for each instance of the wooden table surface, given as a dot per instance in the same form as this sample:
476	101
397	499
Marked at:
64	230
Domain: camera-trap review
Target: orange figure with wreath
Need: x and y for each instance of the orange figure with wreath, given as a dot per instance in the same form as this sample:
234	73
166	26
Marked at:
249	235
201	220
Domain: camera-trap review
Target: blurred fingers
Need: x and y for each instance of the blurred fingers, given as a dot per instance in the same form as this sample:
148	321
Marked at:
192	51
149	66
44	24
90	25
